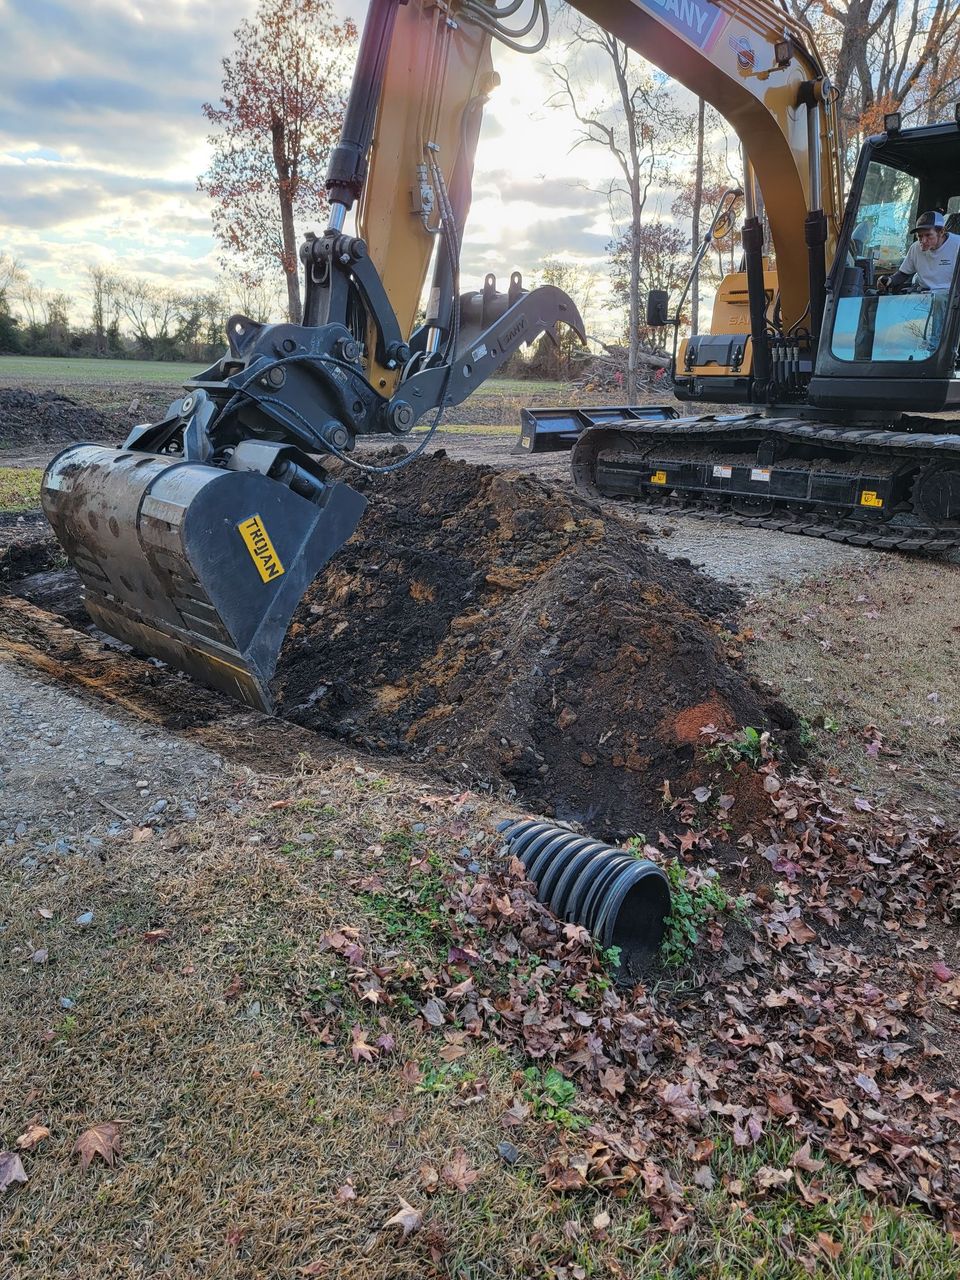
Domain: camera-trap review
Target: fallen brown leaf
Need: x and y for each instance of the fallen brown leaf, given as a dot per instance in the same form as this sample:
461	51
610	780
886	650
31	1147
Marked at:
407	1217
832	1248
101	1140
458	1173
235	987
34	1133
153	936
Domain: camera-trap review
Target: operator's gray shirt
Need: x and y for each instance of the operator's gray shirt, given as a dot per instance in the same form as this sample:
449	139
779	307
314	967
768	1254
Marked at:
934	267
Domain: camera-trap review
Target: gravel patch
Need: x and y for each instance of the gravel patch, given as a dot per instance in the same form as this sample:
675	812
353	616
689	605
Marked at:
74	777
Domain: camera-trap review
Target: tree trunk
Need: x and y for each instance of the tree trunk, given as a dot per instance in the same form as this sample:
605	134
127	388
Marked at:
695	230
290	260
287	230
633	346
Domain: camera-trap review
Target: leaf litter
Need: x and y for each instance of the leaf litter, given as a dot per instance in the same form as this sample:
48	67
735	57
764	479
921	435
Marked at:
818	1008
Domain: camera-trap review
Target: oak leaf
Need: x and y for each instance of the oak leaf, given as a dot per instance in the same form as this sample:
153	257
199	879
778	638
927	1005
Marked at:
407	1217
101	1140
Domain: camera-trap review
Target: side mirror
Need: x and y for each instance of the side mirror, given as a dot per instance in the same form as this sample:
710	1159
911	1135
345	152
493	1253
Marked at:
658	312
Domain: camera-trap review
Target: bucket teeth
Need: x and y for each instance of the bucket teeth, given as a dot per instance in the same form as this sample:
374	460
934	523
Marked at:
197	565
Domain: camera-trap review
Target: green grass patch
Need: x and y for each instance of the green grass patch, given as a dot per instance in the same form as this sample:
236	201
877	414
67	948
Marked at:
51	369
54	369
20	488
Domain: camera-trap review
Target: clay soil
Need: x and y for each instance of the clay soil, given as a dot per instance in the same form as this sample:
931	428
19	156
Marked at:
507	632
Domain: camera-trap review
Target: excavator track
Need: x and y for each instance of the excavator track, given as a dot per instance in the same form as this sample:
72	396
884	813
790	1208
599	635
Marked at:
788	475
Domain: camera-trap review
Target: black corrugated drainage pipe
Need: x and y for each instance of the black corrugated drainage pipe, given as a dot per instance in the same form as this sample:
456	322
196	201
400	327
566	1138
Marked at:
622	900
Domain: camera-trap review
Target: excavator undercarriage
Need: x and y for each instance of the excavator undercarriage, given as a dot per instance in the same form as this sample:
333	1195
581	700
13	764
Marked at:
891	490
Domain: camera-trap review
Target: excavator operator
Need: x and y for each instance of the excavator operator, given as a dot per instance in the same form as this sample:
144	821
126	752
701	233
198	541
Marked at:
931	258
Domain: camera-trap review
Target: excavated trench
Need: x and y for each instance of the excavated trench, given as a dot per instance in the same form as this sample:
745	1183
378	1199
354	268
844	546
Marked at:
503	633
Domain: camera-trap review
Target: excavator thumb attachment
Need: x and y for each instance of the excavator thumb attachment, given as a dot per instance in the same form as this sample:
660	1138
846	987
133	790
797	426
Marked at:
198	565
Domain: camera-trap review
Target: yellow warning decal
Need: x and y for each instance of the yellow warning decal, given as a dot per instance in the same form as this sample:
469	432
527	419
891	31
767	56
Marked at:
261	548
869	498
658	477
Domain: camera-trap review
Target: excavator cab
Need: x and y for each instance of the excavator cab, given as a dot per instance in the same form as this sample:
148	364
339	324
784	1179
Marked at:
896	350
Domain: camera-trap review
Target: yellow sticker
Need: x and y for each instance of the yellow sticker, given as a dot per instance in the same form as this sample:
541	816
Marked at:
658	477
868	498
261	548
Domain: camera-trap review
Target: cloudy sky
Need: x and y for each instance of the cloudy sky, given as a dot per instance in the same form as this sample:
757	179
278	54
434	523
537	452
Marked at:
102	138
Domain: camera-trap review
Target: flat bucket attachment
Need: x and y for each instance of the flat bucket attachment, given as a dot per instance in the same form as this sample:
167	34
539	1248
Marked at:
200	566
550	430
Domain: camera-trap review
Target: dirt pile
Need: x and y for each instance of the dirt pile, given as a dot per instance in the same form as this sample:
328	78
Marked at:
27	417
506	632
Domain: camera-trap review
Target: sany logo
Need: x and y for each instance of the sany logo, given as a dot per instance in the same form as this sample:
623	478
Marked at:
742	47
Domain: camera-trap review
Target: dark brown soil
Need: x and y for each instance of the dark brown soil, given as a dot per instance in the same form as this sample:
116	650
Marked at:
504	631
27	417
47	416
27	545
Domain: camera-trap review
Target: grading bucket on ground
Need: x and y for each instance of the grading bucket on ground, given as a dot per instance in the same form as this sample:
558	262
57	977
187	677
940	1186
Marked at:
200	566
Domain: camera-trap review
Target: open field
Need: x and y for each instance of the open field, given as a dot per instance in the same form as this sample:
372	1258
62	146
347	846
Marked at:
299	978
43	370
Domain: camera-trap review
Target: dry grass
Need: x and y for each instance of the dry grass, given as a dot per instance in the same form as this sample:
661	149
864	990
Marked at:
240	1123
872	654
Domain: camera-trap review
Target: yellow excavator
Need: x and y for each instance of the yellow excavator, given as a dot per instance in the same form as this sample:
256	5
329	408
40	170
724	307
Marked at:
196	540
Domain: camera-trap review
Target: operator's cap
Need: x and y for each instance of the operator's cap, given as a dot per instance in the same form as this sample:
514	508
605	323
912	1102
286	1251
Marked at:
932	220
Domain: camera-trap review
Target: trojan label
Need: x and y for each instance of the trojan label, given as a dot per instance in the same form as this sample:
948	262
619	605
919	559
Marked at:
261	548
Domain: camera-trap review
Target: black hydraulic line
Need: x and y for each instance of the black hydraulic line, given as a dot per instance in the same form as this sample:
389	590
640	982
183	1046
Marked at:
348	161
815	235
752	236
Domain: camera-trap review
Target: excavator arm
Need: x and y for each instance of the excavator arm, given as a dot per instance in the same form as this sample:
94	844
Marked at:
758	66
196	541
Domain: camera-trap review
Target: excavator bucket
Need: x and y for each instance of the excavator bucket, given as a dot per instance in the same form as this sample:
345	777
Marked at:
550	430
198	565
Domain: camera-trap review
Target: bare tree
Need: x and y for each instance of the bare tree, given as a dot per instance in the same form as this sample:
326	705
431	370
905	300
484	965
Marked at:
149	309
98	290
638	122
888	55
